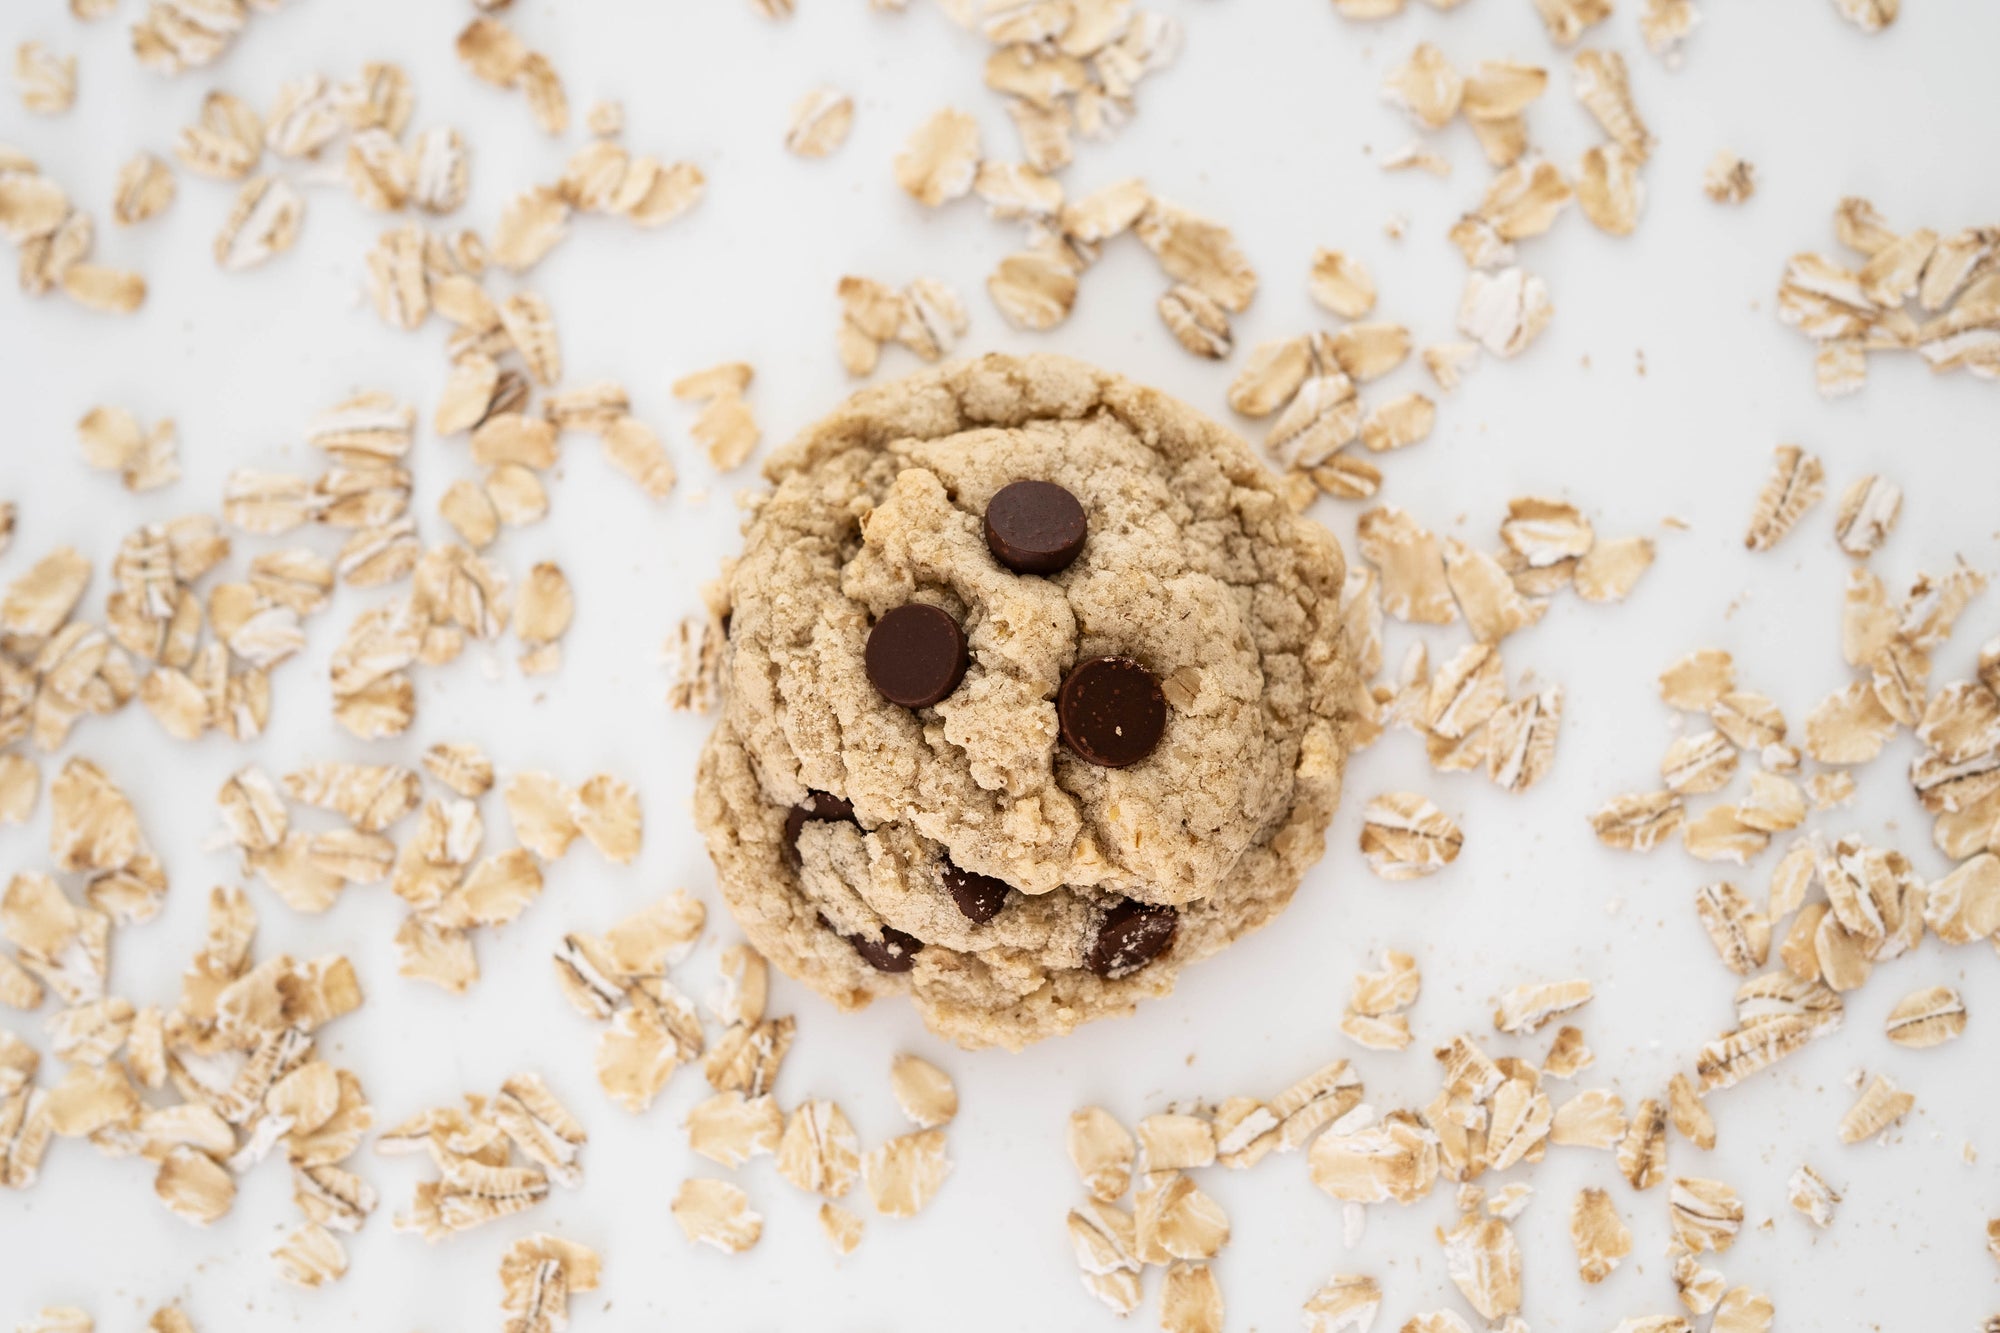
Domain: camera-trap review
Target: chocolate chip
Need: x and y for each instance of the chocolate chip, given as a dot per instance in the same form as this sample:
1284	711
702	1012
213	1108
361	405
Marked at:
818	805
1133	934
1111	711
896	951
979	897
1035	527
916	655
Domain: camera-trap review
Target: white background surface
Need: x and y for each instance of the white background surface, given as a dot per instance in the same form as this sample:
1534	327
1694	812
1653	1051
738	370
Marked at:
1659	390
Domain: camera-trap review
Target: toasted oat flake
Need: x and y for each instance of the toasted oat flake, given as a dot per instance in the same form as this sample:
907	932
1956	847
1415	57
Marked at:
1530	1007
1927	1018
1198	252
1568	1055
1610	569
1323	416
1642	1153
47	80
1796	483
1705	1214
1395	1159
1483	1260
1414	585
1741	934
938	162
1742	1310
194	1186
636	451
923	1091
1728	179
1599	1235
1341	284
1448	362
1867	514
819	1152
1812	1196
1604	87
1271	375
606	811
1697	681
1566	20
1102	1150
1347	1303
1426	86
1700	763
1869	15
1190	1299
1879	1108
1492	605
904	1174
731	1129
1176	1220
820	122
1504	311
1594	1118
532	224
1404	837
1608	189
1849	726
717	1213
1103	1239
1637	823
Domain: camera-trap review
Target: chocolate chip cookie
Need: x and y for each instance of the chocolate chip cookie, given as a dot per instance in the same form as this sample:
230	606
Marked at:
1035	692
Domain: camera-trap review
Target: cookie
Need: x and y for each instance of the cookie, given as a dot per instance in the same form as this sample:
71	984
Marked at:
1021	752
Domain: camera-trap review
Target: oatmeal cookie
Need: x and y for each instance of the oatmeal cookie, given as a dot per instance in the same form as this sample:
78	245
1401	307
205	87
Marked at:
1035	692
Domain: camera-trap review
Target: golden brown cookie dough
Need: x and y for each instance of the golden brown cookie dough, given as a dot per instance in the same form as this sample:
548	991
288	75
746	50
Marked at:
1193	566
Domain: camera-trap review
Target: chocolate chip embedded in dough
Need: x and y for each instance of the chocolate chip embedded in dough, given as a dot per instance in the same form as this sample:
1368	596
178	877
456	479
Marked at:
817	805
896	951
915	655
1111	711
1131	935
1035	527
979	897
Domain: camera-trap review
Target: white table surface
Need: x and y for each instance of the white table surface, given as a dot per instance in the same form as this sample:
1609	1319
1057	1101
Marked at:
1659	390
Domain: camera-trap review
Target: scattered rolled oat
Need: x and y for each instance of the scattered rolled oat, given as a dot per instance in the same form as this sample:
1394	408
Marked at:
715	1212
1869	15
923	1091
1880	1107
939	161
1812	1196
1528	1008
1728	179
1795	485
1405	837
1927	1018
1600	1236
820	122
904	1174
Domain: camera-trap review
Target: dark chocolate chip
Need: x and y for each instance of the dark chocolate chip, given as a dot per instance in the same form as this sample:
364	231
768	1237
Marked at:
979	897
818	805
1132	935
1035	527
916	655
1111	711
896	951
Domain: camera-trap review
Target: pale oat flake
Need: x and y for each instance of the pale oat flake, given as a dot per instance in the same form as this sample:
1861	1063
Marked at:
938	162
1796	483
1810	1194
1102	1150
923	1091
1599	1235
1728	179
1880	1107
1927	1018
1405	837
1637	823
1530	1007
904	1174
1340	283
